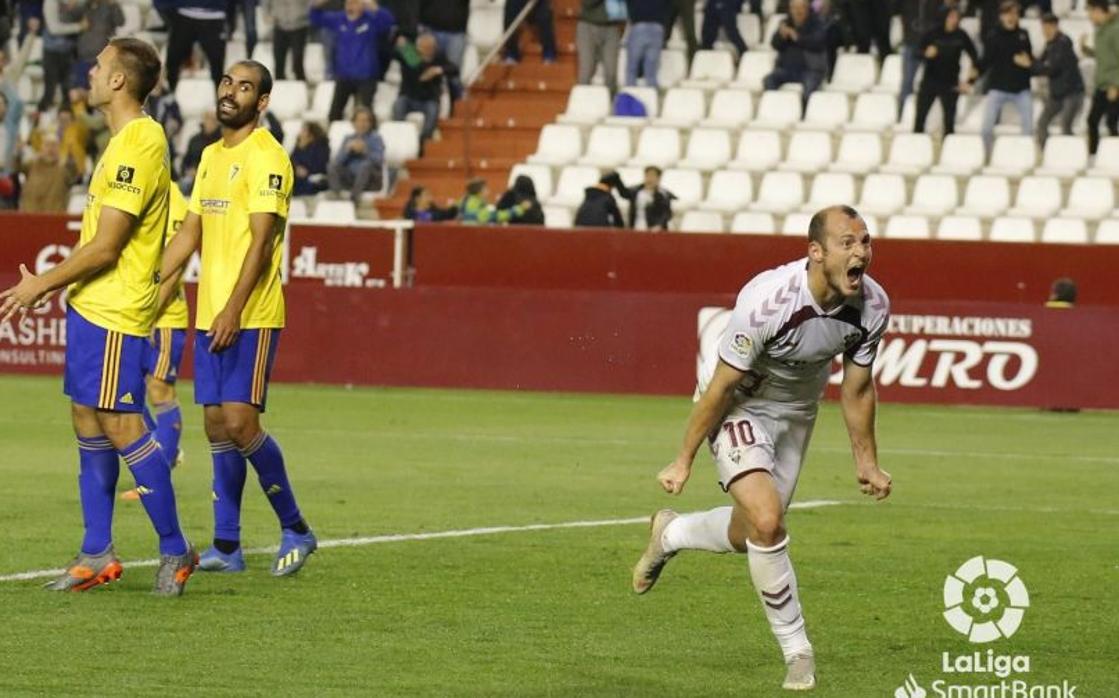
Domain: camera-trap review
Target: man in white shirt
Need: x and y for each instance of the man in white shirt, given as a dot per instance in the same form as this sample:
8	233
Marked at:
756	406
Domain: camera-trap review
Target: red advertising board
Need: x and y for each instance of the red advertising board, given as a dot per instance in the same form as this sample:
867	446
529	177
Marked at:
354	257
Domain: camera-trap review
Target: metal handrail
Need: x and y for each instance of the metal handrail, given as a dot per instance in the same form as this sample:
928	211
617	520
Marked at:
513	28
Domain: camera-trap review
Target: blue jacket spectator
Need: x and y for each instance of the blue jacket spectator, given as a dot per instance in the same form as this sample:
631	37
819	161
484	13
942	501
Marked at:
358	35
359	165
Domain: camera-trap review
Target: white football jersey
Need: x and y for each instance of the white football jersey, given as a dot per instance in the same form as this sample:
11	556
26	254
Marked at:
785	342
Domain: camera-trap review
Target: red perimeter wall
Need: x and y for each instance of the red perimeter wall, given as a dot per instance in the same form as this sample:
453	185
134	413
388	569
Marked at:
608	311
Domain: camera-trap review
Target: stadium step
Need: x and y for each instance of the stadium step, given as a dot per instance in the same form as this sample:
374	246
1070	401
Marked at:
437	165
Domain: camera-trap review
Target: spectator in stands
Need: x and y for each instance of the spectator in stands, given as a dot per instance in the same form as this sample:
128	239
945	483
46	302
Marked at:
92	121
29	10
5	22
541	17
8	175
63	20
47	182
208	132
599	209
269	121
645	39
475	208
163	107
1105	98
650	205
1059	63
685	11
421	207
597	40
193	22
100	19
870	23
359	165
406	13
801	45
358	33
422	73
9	87
942	49
722	14
1007	61
1062	294
521	198
918	18
446	20
289	32
247	8
310	159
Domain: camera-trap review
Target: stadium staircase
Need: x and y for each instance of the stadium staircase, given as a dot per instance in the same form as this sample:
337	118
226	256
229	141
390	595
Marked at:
499	123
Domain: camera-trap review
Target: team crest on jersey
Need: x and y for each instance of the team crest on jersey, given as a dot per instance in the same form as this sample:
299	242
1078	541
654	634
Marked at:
234	170
741	344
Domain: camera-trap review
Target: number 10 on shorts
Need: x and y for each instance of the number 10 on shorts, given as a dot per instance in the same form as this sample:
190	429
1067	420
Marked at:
740	433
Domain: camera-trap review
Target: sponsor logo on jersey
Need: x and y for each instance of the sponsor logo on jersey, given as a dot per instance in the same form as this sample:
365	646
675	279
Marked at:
126	399
741	344
215	205
125	174
275	182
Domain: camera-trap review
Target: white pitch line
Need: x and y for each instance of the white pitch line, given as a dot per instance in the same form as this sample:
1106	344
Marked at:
434	535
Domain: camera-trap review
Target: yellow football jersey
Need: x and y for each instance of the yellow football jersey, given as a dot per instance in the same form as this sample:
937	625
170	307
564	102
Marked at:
253	177
133	175
176	314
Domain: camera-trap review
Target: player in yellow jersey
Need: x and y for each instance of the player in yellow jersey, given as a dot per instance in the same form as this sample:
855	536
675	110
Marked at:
163	356
113	279
238	212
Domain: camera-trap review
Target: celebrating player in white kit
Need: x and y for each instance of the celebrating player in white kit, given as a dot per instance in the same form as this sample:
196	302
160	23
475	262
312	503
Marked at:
757	405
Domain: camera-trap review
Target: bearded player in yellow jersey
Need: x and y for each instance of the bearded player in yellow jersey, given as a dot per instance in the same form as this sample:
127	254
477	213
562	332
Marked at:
113	279
163	355
238	212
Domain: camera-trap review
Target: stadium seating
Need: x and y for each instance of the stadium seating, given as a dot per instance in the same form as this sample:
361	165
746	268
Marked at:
883	194
573	181
1065	230
710	69
959	228
855	73
559	145
934	195
777	110
702	222
708	149
907	227
402	141
587	104
1108	232
1092	198
986	197
873	112
796	224
960	155
859	153
826	111
809	151
540	175
827	189
1064	156
683	108
340	212
1107	158
910	154
656	146
1005	229
1038	197
686	185
195	97
780	192
558	217
1012	156
728	191
752	69
753	223
758	151
730	109
607	146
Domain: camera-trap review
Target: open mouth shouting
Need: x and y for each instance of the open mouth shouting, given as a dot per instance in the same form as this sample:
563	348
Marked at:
855	275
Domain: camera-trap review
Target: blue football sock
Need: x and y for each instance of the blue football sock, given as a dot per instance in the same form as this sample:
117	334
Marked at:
229	483
169	428
264	453
149	420
97	484
149	466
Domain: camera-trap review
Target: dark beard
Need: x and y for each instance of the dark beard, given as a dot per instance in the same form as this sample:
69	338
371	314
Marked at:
238	119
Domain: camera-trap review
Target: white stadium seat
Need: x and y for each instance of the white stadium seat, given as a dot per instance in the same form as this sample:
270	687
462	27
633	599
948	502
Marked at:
289	99
541	176
1107	158
827	111
1064	156
337	132
859	153
607	146
796	224
889	78
314	63
1065	230
751	223
340	212
291	128
657	146
1012	230
195	97
1038	197
673	68
907	228
572	185
702	222
758	151
297	211
728	191
959	228
780	192
883	194
910	154
485	25
960	155
1090	197
587	104
986	197
1012	156
559	144
76	203
686	186
828	189
402	141
1108	232
558	217
708	149
778	110
710	69
683	107
874	112
809	151
730	109
934	195
855	73
752	69
320	102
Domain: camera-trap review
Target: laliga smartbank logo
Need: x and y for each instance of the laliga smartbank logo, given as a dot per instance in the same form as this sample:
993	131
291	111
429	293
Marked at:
985	600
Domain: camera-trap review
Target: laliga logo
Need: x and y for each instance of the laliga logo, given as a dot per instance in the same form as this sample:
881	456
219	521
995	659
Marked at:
985	599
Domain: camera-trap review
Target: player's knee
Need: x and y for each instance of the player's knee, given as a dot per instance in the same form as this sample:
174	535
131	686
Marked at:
160	392
84	420
241	426
768	528
215	427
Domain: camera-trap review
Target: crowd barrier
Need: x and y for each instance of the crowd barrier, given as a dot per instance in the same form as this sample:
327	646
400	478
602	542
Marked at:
629	313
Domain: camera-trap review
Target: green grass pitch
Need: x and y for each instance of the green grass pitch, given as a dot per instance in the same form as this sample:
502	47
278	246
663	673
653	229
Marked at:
550	612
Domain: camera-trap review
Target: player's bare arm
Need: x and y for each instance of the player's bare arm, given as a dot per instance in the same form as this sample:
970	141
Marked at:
706	414
175	257
114	228
859	401
227	323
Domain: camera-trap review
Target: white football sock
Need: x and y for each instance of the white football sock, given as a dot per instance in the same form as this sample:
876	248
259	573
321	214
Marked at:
703	530
773	576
